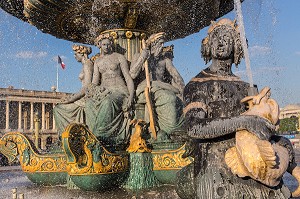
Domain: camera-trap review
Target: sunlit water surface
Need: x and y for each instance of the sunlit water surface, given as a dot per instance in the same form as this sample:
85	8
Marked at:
17	179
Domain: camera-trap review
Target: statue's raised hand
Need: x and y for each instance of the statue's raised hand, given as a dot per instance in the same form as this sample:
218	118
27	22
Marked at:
145	53
154	37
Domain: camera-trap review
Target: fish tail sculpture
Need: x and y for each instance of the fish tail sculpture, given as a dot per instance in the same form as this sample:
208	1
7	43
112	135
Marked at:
259	159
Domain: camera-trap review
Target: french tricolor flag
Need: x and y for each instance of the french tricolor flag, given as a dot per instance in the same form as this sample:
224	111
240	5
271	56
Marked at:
61	62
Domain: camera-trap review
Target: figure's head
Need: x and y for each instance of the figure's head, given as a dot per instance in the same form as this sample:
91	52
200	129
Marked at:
223	42
157	47
105	43
81	52
156	42
168	51
106	46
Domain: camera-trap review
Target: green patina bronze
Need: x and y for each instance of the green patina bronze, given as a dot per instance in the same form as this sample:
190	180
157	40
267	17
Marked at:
105	98
95	159
166	176
91	165
99	182
48	179
94	156
166	88
141	172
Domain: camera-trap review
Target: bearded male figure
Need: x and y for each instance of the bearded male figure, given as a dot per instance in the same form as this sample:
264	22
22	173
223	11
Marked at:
166	87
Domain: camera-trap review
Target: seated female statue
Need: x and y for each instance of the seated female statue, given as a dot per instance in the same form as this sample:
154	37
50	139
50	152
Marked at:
110	95
71	109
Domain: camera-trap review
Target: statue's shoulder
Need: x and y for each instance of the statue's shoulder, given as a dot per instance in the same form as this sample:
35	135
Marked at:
196	90
98	63
194	82
89	62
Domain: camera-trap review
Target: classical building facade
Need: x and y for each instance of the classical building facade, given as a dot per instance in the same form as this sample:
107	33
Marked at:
21	110
291	110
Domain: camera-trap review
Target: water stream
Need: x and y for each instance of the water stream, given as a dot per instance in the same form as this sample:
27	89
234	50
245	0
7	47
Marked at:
239	16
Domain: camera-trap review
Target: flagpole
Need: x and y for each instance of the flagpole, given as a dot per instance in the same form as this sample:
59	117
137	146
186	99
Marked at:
57	77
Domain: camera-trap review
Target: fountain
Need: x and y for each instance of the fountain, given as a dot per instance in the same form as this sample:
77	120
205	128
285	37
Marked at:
128	130
93	156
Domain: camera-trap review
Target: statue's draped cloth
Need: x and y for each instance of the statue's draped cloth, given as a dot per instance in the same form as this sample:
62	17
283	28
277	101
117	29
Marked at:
101	110
167	105
65	114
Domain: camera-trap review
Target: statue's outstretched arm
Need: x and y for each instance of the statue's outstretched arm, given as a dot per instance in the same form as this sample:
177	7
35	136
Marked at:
138	62
88	73
175	74
74	97
88	69
208	128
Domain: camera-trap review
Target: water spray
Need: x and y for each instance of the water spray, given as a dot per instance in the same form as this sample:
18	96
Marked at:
239	16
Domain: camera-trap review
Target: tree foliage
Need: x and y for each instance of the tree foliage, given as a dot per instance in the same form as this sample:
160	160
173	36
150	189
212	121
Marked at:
288	124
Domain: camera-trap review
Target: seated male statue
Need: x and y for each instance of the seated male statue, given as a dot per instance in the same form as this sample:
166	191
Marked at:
166	87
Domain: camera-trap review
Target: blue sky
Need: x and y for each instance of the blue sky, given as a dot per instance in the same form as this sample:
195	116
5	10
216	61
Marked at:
28	56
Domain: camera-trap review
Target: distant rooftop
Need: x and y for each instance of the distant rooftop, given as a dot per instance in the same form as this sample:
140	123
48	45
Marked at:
10	92
291	107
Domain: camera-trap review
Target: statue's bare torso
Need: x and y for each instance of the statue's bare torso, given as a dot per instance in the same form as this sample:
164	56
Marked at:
109	71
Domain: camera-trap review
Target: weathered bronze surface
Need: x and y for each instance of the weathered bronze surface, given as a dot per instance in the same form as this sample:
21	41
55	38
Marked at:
82	21
213	116
43	169
105	99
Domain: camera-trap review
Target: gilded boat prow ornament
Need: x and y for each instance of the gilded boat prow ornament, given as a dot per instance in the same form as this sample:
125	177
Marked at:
44	169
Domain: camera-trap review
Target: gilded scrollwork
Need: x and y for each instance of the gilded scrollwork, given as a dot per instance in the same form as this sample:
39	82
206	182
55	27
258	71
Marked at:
91	157
14	144
169	160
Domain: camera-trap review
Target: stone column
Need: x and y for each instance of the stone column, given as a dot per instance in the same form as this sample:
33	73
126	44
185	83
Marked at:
47	120
31	115
36	130
25	116
20	117
7	116
53	120
43	115
43	142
